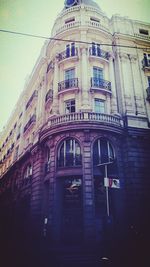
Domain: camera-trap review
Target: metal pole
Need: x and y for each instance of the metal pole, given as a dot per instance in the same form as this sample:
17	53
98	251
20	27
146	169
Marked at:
107	195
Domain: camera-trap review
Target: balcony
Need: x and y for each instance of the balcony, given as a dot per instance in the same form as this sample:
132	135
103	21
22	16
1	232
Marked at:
68	84
68	53
35	93
148	94
97	52
49	96
85	117
99	84
30	122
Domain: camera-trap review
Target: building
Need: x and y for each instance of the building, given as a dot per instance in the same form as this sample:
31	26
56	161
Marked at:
86	103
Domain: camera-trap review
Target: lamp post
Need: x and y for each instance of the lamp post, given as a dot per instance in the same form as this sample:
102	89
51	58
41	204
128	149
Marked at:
107	192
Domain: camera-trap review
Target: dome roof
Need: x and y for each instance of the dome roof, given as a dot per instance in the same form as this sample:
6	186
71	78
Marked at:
90	3
69	3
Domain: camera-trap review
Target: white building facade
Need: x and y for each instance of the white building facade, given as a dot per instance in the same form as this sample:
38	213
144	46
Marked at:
86	103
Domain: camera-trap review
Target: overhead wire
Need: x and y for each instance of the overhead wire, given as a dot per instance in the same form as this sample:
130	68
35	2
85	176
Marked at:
69	40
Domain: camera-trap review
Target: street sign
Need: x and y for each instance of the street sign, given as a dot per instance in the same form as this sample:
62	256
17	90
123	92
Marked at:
111	182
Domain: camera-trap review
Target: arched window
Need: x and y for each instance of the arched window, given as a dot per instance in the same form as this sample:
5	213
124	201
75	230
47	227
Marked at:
69	153
28	172
103	152
48	160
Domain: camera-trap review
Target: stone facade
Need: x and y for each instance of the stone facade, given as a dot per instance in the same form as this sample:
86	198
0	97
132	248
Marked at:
86	103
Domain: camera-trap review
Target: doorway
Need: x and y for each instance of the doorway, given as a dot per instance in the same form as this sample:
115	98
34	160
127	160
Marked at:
72	210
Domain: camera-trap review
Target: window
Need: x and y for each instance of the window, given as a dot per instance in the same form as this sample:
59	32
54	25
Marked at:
98	73
148	78
69	74
69	20
69	154
96	51
146	60
94	19
143	31
103	152
99	105
70	50
16	153
47	164
70	106
28	172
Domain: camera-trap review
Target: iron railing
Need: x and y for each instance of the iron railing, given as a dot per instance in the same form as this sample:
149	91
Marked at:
68	84
31	120
97	52
69	52
100	83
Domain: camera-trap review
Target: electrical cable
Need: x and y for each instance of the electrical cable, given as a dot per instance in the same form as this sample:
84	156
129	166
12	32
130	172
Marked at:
65	40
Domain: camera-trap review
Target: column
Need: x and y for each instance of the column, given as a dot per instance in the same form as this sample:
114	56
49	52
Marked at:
114	104
137	85
89	225
84	79
55	107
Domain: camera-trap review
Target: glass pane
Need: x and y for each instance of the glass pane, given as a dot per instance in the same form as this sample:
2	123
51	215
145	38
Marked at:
99	106
69	74
104	151
96	160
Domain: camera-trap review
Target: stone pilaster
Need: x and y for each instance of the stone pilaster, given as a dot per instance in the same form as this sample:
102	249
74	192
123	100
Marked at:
55	107
89	232
84	81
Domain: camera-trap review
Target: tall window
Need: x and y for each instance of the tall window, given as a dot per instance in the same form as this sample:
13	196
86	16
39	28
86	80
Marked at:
98	73
96	51
69	74
146	61
69	153
103	152
70	106
70	50
28	172
47	164
99	105
148	78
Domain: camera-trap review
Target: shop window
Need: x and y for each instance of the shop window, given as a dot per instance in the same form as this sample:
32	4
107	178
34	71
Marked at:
69	154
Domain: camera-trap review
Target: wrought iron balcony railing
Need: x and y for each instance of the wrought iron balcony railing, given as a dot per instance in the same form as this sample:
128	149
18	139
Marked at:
31	120
49	95
69	52
97	52
100	83
148	93
35	93
68	84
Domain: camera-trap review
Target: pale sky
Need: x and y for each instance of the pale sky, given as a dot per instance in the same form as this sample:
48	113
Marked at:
18	54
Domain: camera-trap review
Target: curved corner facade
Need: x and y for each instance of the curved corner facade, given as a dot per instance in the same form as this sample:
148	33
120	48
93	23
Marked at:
83	116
